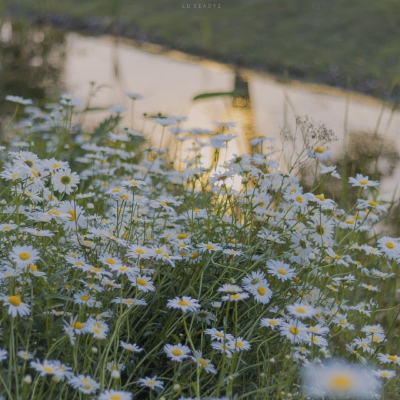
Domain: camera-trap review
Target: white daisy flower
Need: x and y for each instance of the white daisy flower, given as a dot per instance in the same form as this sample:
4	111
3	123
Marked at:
294	330
115	395
300	310
203	362
388	359
184	304
363	182
16	306
219	335
176	352
280	270
143	283
151	383
65	181
131	347
240	344
84	383
24	255
271	322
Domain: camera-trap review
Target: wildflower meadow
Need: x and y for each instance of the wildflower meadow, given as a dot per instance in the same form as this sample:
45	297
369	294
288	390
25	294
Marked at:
142	268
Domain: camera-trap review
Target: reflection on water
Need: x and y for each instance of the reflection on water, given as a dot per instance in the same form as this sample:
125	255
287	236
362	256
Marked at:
169	81
31	61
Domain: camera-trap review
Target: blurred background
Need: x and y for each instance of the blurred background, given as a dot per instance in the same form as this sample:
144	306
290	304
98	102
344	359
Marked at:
257	62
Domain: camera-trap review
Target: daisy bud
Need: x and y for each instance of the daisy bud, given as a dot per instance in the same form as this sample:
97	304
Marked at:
90	206
115	374
177	387
311	256
27	379
94	350
3	202
66	146
56	378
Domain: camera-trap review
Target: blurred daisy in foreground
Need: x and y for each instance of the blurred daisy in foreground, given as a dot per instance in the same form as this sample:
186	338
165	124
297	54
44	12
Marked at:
115	395
339	380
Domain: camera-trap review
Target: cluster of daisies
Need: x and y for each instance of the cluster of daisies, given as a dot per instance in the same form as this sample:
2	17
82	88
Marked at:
125	273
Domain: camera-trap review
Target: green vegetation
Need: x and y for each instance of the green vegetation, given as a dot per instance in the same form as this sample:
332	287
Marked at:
351	44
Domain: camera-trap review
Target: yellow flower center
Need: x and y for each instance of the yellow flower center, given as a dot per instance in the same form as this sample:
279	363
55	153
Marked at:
209	246
53	212
48	370
72	216
235	296
24	256
14	300
340	382
363	182
318	150
389	245
373	203
299	199
320	197
141	282
176	352
140	251
349	222
110	261
158	251
392	358
35	174
343	322
261	291
77	325
301	310
272	322
202	362
281	271
6	228
384	374
85	297
183	303
115	397
293	330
